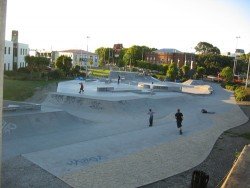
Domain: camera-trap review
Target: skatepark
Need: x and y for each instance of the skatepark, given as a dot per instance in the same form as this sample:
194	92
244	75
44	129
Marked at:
101	138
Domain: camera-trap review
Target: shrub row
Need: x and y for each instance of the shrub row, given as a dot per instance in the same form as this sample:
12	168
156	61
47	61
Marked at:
240	94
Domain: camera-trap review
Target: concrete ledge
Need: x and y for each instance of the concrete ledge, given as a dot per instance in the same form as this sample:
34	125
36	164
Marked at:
239	175
104	89
20	106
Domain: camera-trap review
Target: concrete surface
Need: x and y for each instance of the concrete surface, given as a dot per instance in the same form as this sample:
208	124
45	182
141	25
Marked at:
104	140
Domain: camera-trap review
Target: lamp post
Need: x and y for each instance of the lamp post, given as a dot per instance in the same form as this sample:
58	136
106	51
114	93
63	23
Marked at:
247	72
87	56
235	56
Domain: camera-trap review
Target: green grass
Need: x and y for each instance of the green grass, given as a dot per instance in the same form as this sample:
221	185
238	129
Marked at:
100	72
19	90
245	135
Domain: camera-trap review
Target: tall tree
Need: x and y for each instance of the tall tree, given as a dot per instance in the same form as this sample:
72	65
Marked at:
64	63
36	64
200	72
206	48
172	71
227	74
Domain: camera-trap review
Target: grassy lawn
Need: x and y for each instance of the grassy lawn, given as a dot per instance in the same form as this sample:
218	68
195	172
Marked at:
19	90
99	72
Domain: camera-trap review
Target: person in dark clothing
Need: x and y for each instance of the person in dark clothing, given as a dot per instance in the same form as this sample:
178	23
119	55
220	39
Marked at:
81	88
179	119
119	78
151	117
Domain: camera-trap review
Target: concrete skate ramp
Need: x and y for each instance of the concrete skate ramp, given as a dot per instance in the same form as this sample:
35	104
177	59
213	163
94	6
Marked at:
133	77
25	133
129	153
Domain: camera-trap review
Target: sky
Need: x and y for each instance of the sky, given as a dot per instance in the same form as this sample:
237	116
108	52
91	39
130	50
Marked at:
179	24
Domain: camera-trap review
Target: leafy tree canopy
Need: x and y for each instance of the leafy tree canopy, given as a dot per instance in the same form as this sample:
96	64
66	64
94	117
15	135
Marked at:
64	63
227	74
206	48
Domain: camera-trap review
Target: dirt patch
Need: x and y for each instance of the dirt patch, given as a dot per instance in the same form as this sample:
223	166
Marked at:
41	93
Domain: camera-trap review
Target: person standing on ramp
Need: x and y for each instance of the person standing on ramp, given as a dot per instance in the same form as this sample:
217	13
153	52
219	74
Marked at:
81	88
151	117
179	119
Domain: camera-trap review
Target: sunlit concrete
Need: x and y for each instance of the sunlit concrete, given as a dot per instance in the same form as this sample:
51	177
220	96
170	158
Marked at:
102	139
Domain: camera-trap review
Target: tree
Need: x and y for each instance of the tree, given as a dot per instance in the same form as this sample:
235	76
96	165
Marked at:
206	48
172	71
200	72
185	69
213	63
227	74
37	64
64	63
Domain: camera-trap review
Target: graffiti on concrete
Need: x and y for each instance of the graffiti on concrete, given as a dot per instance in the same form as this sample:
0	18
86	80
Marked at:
8	127
123	102
96	105
85	161
57	98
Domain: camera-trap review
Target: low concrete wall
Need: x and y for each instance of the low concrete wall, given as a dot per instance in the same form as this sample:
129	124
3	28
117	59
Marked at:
104	89
239	175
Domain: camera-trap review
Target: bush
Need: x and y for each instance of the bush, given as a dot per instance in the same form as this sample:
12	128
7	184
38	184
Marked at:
240	94
56	74
23	70
231	87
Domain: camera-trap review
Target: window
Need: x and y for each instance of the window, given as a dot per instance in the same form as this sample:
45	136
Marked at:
8	66
21	51
9	50
4	51
4	66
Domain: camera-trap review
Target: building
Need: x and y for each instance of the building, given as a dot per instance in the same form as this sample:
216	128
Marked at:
170	55
14	53
79	57
117	49
238	53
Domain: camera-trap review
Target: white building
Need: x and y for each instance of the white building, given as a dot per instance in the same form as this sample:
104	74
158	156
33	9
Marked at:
23	50
14	53
8	55
80	57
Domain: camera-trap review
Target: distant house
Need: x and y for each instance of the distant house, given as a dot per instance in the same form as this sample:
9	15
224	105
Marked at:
117	49
170	55
238	52
14	53
80	57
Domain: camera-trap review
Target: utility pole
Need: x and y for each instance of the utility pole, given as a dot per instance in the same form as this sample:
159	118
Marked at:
235	56
87	56
3	5
247	72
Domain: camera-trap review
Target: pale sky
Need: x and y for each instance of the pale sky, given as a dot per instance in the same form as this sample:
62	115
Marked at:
180	24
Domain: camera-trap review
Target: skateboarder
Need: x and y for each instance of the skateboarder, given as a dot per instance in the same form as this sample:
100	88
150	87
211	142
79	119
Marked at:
151	117
119	78
81	88
179	119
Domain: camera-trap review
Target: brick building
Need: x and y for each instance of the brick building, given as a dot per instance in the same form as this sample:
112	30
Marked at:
167	56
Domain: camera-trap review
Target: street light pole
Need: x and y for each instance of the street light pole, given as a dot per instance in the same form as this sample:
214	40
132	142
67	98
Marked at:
87	56
87	43
235	56
247	72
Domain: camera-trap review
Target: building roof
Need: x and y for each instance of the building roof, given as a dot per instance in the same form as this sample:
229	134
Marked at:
167	50
77	51
240	51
